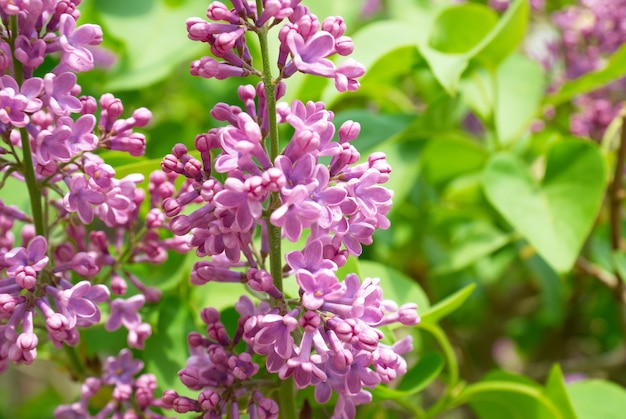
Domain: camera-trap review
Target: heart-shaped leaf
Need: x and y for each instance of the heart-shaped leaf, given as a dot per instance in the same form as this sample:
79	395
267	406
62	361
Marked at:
554	214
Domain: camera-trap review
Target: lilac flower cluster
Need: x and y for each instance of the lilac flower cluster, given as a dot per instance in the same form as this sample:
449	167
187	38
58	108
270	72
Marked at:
592	31
60	269
315	192
134	397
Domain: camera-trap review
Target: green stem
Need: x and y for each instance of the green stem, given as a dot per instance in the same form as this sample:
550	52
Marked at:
77	367
287	400
616	197
447	400
27	158
286	396
276	265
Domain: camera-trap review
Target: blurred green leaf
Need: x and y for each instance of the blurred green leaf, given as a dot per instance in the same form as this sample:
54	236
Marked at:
592	399
470	243
376	128
415	380
166	350
509	399
619	263
550	213
614	69
144	167
460	28
557	392
449	156
521	85
396	285
493	47
447	305
152	50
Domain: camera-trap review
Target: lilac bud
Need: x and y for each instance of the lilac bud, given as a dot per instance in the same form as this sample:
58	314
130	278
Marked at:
134	144
171	207
335	25
118	284
195	339
26	277
274	179
169	396
179	150
180	225
90	387
169	163
112	106
89	105
7	303
208	399
348	131
138	335
407	315
155	218
142	117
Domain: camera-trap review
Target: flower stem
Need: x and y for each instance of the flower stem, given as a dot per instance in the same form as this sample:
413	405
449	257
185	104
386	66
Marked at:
27	158
276	265
286	394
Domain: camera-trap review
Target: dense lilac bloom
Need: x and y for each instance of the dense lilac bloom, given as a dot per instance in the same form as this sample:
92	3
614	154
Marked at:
81	197
30	55
78	303
124	312
244	198
13	107
30	89
58	93
318	287
297	212
74	53
53	146
33	256
81	136
309	56
310	259
121	369
329	336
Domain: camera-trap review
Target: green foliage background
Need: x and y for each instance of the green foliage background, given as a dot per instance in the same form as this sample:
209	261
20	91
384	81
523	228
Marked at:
501	236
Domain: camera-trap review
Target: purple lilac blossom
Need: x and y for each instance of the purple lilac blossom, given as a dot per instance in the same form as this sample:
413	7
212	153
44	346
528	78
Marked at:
327	335
60	271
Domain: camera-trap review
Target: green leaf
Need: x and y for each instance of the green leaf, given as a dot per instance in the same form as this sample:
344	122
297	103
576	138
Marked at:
593	399
557	392
415	380
396	285
375	127
403	157
447	305
505	36
153	33
166	350
619	262
381	38
494	399
144	167
552	292
425	371
614	69
521	85
555	214
460	28
448	156
470	243
496	44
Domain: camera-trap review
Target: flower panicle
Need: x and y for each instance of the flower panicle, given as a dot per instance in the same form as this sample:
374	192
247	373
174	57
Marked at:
318	191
